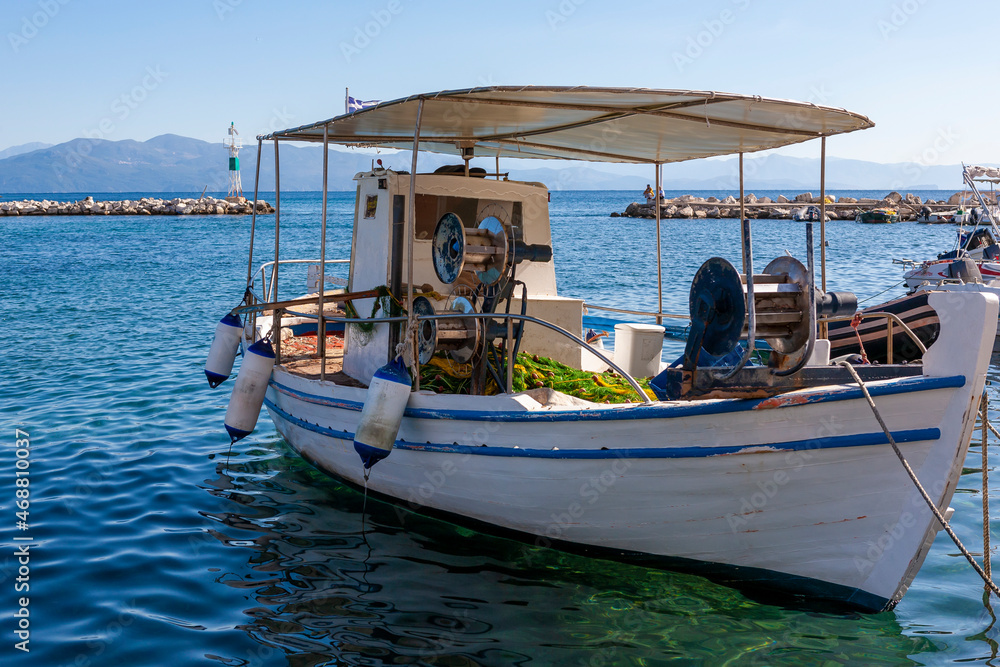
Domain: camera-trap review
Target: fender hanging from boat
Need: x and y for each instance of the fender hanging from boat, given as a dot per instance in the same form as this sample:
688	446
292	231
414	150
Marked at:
383	412
248	394
222	354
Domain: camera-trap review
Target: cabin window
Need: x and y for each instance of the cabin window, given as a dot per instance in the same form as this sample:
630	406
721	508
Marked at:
430	209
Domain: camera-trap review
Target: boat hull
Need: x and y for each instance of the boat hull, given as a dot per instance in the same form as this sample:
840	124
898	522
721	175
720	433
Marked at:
912	309
798	493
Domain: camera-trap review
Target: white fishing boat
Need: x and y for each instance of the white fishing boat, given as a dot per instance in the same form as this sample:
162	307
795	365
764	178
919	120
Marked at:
976	255
956	216
773	477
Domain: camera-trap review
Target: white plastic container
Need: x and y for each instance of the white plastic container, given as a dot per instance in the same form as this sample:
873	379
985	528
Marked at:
312	278
638	348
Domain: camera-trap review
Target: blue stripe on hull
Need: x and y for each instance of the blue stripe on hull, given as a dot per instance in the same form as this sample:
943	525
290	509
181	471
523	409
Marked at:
654	411
832	442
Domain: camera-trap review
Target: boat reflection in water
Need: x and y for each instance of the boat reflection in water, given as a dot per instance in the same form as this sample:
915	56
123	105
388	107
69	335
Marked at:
331	579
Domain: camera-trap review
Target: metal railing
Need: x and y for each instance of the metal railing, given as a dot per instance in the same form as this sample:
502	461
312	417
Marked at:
643	313
268	280
507	317
891	319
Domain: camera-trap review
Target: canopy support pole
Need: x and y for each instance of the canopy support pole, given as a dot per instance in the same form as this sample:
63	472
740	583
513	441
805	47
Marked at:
659	262
822	225
743	215
321	320
253	215
411	225
276	324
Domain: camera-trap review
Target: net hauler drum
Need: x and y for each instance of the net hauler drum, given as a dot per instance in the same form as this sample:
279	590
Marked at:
482	250
459	337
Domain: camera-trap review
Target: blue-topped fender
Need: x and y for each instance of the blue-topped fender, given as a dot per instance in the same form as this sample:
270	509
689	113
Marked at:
222	354
382	413
248	394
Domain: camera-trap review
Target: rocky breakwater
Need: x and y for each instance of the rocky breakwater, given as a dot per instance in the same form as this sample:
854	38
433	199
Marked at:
909	206
144	206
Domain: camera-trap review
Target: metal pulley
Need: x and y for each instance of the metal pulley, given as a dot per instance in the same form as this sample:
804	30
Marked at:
459	337
781	304
489	251
483	250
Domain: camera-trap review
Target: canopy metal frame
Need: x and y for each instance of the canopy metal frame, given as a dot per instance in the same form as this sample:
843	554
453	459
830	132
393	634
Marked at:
663	126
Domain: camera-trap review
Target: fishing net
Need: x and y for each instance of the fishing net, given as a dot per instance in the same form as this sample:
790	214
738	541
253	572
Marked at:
444	376
385	302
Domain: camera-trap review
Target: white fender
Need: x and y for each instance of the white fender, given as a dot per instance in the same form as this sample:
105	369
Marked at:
383	412
222	354
248	394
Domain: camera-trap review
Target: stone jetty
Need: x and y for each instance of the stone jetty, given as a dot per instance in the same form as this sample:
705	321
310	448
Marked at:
144	206
909	206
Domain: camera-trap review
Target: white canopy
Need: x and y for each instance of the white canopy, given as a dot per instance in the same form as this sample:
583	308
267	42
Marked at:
991	174
584	123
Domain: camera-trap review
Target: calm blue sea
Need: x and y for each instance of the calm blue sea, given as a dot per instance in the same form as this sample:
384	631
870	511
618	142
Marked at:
151	545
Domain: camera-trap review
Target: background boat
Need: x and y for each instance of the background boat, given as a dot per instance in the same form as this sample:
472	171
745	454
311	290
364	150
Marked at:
878	215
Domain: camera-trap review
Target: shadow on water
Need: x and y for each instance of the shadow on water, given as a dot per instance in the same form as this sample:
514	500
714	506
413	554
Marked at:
417	590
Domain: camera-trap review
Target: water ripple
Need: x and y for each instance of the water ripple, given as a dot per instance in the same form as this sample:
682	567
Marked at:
154	545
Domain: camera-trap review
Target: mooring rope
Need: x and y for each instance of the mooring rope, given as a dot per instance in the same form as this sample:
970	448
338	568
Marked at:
855	323
983	411
993	429
890	287
909	471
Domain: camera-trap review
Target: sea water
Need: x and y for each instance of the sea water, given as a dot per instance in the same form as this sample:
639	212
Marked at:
151	542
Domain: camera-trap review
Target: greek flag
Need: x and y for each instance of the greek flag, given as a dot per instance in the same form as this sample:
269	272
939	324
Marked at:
352	104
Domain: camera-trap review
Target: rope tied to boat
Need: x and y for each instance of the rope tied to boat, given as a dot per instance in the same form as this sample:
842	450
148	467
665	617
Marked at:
983	412
890	287
406	344
923	492
855	323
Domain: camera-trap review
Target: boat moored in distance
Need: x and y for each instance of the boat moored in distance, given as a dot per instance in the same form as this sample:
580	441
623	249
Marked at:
808	213
878	215
877	332
927	216
452	275
973	265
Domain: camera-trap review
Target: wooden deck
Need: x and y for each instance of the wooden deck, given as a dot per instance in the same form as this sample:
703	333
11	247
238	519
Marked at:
299	356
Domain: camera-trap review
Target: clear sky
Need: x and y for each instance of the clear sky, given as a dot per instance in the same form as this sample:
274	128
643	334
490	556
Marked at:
921	69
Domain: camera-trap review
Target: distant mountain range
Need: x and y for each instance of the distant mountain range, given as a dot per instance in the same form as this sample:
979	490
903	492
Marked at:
23	148
171	163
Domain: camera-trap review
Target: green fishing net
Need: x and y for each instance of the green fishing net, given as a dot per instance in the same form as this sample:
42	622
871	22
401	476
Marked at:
444	376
